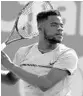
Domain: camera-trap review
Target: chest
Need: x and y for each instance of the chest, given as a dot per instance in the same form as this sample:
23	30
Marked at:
37	63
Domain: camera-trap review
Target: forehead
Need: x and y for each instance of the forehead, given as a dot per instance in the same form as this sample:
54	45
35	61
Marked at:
57	19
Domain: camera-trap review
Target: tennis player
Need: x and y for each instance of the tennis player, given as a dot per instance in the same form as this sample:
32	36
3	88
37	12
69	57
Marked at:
48	51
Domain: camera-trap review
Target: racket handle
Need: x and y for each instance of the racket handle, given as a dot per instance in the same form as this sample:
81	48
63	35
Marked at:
3	45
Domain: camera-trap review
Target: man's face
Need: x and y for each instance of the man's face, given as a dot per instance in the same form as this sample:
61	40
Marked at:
53	29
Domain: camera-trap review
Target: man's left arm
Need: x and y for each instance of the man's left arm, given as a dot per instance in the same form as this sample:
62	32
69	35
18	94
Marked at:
52	78
66	65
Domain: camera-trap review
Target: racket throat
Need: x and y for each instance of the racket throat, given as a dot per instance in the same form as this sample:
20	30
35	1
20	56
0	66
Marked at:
14	40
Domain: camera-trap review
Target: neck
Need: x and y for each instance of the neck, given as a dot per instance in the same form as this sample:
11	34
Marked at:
46	46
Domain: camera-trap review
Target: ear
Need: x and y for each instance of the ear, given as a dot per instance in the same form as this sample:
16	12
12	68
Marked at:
39	28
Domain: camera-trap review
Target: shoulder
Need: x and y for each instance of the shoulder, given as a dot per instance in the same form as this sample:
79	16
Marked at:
67	59
68	52
21	53
24	50
63	48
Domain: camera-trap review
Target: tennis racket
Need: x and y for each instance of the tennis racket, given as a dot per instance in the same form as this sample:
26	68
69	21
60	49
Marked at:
25	25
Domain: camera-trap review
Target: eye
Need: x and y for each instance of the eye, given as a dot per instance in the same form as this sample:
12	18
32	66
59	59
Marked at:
54	24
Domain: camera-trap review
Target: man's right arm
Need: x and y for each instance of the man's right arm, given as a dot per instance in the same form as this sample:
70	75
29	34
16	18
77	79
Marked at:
8	77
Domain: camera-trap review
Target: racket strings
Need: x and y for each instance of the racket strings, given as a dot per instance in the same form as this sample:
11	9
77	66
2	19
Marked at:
27	25
47	3
24	22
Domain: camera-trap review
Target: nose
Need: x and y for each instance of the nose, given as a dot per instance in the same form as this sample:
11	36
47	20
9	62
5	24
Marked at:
60	28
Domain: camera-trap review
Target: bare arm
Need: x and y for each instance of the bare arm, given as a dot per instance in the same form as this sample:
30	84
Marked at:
8	77
43	82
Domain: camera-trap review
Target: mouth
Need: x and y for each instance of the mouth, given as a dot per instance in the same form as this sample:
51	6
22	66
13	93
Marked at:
59	34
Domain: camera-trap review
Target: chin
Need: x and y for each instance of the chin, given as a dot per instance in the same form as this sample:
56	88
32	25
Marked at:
54	41
59	40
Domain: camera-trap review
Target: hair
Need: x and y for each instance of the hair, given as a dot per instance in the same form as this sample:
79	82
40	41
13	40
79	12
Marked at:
45	14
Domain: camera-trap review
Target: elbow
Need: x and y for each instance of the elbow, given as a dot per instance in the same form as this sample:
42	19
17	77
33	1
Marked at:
45	88
45	84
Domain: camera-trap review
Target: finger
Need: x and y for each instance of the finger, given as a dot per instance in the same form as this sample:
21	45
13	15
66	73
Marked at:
3	54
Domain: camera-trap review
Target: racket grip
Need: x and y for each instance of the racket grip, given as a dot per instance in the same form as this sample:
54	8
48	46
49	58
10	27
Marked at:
3	45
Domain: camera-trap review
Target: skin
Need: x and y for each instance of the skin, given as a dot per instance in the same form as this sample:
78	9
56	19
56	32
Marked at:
50	33
48	40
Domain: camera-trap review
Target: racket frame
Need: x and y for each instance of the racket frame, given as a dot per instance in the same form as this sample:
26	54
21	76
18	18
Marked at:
16	22
15	26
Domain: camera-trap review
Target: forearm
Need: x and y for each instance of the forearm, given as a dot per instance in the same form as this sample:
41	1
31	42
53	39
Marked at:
41	82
